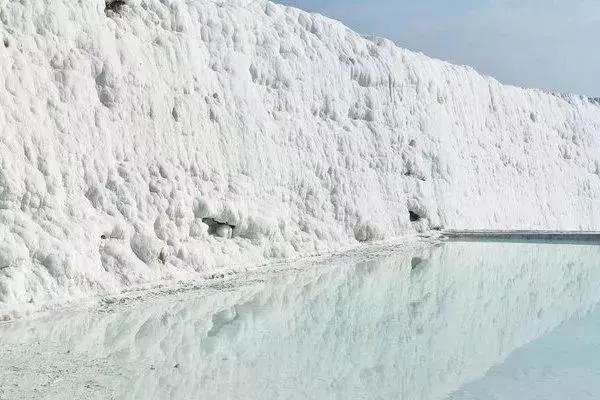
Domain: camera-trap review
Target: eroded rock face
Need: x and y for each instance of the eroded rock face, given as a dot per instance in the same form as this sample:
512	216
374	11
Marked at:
224	231
287	125
219	229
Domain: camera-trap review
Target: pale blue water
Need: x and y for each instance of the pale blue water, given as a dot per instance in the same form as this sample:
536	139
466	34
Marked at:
458	321
564	364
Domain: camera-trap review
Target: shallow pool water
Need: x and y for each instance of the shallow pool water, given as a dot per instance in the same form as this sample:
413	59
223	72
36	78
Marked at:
457	321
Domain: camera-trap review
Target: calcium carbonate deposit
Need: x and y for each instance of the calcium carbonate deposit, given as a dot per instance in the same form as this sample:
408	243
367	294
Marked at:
152	140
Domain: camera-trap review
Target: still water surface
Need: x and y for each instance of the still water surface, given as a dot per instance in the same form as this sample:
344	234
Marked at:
477	320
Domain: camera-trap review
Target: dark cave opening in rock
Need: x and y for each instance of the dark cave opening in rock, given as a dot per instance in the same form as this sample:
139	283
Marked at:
414	217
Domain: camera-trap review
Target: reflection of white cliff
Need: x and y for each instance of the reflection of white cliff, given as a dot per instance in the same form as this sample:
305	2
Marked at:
400	327
561	365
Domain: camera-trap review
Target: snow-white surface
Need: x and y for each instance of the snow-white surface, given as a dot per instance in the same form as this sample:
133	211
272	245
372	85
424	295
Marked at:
121	132
407	326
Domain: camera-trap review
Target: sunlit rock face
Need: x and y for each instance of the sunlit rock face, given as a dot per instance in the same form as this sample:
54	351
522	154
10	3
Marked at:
415	326
124	126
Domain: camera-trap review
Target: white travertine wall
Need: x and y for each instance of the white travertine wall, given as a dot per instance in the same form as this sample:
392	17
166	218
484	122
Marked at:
121	132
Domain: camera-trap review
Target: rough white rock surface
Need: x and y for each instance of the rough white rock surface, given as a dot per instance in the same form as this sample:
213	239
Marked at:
121	131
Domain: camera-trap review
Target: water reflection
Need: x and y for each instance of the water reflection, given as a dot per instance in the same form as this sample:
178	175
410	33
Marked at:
562	365
409	326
